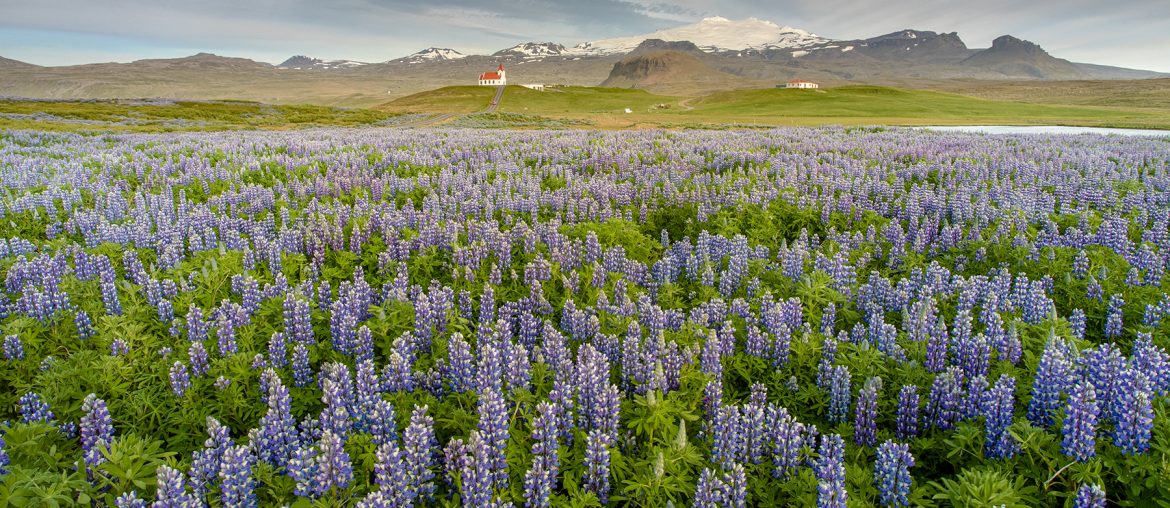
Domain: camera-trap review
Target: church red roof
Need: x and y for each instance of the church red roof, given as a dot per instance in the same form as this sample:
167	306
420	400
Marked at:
493	75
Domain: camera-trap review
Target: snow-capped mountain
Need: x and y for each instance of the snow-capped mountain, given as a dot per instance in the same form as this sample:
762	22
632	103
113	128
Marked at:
432	55
532	50
714	35
302	62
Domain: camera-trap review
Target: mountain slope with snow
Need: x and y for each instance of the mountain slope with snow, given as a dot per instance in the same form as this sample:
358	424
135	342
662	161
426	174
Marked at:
302	62
432	54
715	34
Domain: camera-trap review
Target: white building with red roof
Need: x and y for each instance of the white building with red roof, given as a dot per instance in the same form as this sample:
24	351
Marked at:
800	83
496	78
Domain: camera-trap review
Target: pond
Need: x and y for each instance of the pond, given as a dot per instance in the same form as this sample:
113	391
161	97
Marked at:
1045	129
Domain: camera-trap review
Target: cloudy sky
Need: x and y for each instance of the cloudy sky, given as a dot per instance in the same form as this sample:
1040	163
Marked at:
1130	33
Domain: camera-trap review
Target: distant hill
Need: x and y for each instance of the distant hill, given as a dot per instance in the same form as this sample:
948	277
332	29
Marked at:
8	63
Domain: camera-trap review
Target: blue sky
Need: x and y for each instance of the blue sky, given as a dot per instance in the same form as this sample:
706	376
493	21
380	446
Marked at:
1130	33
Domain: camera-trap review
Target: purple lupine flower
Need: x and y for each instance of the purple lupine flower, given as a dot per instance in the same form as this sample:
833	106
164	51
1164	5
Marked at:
1080	423
787	441
197	328
119	347
172	491
206	463
302	468
945	403
4	459
493	429
891	473
302	370
840	393
1133	412
84	324
97	430
597	465
237	486
709	490
129	500
13	348
540	479
906	418
999	410
334	469
421	450
461	364
34	409
1053	375
735	482
180	378
277	350
865	415
278	433
1090	496
1076	323
197	354
391	474
1113	319
728	436
1151	360
477	475
829	469
381	422
937	343
1080	266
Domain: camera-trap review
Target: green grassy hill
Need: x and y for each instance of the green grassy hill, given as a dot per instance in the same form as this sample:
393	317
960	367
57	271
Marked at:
449	99
580	100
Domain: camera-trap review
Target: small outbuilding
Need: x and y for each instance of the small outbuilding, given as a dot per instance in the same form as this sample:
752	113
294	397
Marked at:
800	83
539	87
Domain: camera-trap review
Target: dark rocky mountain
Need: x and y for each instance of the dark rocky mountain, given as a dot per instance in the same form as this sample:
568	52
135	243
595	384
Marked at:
1017	57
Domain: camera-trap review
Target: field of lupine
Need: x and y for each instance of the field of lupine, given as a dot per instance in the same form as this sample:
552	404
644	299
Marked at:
385	317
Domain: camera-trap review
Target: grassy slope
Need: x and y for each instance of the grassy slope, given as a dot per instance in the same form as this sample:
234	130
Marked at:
132	116
450	99
871	104
845	105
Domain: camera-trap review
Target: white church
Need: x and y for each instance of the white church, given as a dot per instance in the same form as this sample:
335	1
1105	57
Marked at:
496	78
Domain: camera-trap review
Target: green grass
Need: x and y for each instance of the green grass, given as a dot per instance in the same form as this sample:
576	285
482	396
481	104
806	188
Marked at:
893	106
449	99
160	116
578	100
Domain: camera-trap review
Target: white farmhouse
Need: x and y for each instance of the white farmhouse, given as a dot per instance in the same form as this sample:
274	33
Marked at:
800	83
496	78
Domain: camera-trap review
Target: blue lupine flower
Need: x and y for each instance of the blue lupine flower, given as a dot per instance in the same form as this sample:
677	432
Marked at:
4	459
13	348
1080	423
302	468
390	473
237	486
891	473
1053	376
944	407
97	430
34	409
999	410
129	500
334	469
787	441
206	463
906	419
180	378
865	415
493	429
829	469
421	450
1090	496
840	391
597	465
172	491
540	479
302	370
1113	319
1133	412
